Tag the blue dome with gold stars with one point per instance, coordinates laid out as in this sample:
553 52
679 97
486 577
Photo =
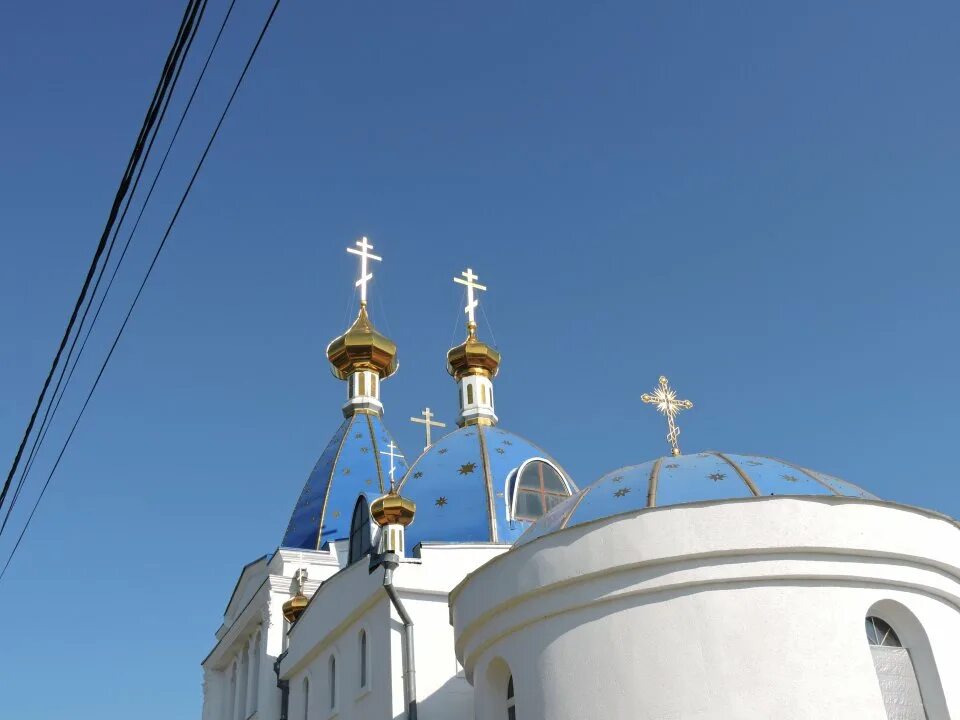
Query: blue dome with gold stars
355 462
468 484
701 477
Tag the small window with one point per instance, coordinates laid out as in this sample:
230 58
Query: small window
511 701
483 394
306 699
880 634
469 394
896 674
536 489
332 679
363 383
363 659
361 541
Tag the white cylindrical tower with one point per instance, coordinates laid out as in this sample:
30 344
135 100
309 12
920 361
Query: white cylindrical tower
749 608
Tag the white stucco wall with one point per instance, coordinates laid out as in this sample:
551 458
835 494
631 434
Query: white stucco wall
354 599
740 609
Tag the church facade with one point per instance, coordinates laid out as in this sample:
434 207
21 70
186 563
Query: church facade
479 581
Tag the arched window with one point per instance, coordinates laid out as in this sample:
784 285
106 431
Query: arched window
469 394
363 383
511 701
895 672
363 659
483 394
232 700
306 699
536 487
255 676
360 539
332 681
242 678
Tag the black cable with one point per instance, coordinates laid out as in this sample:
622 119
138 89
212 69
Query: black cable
54 404
148 123
126 319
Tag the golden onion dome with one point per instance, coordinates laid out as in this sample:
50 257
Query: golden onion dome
294 607
472 357
362 348
391 509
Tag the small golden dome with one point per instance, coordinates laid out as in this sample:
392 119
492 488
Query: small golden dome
391 509
472 357
362 348
294 607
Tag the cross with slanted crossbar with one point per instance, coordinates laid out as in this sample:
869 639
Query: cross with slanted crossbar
428 423
391 454
469 279
665 398
365 277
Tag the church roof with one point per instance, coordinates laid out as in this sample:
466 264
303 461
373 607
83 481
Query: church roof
460 483
685 479
354 463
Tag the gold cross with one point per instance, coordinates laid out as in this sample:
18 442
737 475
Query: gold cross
429 422
665 398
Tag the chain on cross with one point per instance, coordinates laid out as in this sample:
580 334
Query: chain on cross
365 275
665 398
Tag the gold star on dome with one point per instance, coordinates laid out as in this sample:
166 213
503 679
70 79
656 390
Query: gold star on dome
441 501
442 451
467 468
618 478
500 451
621 492
418 474
717 476
791 478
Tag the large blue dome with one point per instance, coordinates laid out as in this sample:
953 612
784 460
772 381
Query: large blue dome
687 479
353 464
462 483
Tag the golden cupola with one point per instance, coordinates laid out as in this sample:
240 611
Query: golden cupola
362 347
472 357
362 356
294 607
393 514
473 364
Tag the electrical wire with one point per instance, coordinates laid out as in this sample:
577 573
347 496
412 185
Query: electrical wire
149 122
136 298
54 404
156 177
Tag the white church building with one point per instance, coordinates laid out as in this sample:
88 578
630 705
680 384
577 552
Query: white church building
479 581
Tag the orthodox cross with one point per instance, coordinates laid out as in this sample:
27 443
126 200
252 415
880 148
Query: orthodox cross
469 279
391 454
301 579
665 398
365 276
428 423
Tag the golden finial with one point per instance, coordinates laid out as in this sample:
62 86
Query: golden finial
665 398
294 607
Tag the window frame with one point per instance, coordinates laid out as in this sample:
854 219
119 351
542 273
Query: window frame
363 646
512 486
364 545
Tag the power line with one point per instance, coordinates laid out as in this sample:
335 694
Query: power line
45 426
153 262
54 403
149 121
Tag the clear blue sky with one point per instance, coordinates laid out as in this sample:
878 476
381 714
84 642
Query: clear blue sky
758 200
